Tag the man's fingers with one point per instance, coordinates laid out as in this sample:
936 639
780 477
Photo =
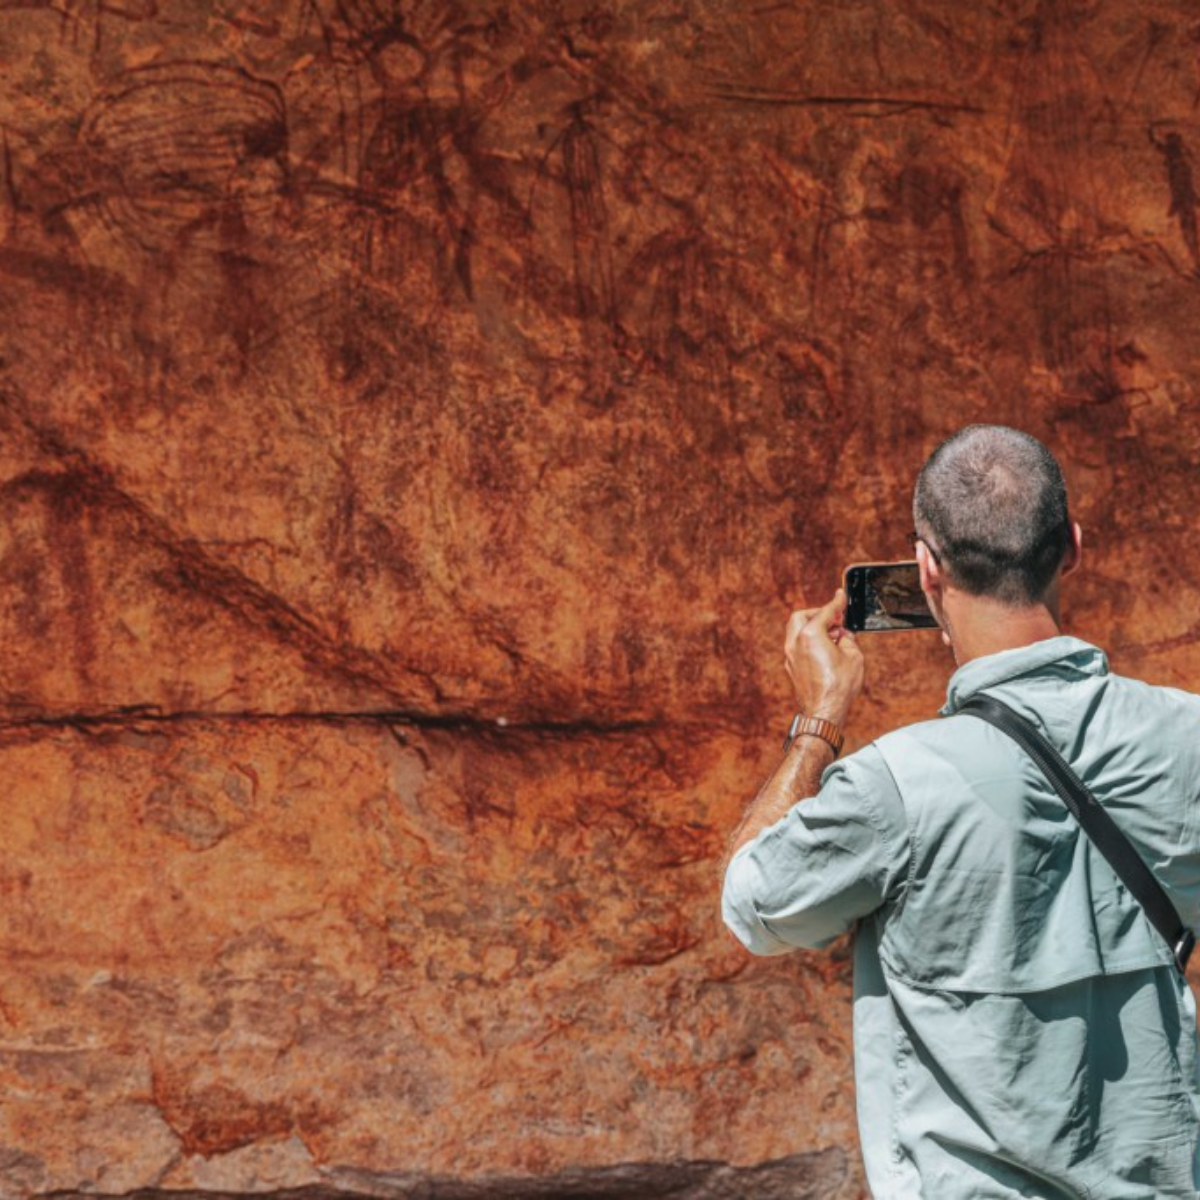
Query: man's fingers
838 601
836 606
848 644
817 624
823 659
798 620
833 609
820 621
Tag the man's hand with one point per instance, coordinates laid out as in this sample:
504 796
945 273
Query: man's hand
824 662
826 669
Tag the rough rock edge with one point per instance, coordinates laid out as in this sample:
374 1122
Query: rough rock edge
798 1177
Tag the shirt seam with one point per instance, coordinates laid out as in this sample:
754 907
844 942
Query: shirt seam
909 821
877 819
1122 967
950 708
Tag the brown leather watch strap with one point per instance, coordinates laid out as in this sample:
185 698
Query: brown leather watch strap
817 727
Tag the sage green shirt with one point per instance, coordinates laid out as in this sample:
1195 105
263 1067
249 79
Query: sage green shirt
1019 1027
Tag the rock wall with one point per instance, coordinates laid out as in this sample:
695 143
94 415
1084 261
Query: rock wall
417 420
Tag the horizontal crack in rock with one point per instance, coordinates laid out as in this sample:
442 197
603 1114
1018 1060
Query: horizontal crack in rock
455 722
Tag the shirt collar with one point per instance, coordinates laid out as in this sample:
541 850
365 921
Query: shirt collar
982 673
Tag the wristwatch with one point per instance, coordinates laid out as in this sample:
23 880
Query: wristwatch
818 727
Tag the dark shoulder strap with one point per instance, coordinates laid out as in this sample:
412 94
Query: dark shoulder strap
1095 821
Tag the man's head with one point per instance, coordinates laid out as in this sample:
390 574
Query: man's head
991 506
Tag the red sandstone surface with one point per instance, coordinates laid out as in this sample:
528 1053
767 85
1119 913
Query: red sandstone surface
416 423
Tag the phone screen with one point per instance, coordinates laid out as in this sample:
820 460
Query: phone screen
885 596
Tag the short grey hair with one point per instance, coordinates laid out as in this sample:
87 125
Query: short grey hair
991 503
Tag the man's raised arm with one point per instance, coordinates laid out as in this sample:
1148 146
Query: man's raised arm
826 668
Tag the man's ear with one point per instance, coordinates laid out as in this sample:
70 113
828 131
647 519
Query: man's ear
1074 556
932 575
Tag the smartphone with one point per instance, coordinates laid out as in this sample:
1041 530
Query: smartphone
885 596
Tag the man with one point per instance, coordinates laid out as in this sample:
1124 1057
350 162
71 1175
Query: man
1020 1029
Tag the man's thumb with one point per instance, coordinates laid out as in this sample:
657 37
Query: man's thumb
834 609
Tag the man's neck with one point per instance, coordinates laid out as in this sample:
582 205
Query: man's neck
979 626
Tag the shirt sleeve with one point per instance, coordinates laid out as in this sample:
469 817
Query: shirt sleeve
832 859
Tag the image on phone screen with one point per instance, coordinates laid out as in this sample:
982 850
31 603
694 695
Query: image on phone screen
885 596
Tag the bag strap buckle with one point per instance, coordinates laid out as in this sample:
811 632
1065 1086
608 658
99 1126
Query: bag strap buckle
1183 949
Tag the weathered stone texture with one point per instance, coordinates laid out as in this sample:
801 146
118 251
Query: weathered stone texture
348 945
416 422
